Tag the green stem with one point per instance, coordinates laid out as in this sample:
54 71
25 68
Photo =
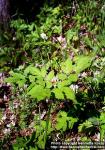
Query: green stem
47 123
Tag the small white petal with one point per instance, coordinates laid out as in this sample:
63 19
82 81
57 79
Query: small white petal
43 36
74 87
8 125
6 131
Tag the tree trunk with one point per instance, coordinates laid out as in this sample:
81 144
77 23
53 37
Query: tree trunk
4 14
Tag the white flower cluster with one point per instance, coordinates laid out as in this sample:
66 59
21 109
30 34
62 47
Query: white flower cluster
7 129
43 36
74 87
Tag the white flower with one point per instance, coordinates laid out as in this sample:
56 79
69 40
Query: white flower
43 36
47 100
8 125
6 131
14 38
84 74
74 87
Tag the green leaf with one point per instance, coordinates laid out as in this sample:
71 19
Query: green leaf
20 143
21 83
94 121
40 81
50 75
31 78
43 72
66 66
56 10
69 93
58 93
43 124
38 130
62 76
30 86
61 121
39 92
61 124
48 84
63 83
63 114
15 147
41 142
102 132
73 78
10 80
16 78
32 70
35 71
32 148
72 122
82 63
69 36
82 127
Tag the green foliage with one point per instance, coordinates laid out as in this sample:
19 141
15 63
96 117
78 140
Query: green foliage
17 78
43 84
39 92
40 133
32 41
86 125
82 62
64 122
102 125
